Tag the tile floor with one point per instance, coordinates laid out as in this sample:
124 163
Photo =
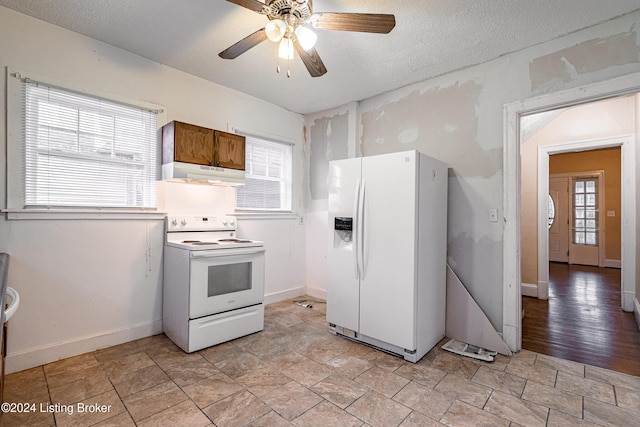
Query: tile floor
296 373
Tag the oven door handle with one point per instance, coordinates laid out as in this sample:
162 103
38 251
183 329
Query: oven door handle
226 252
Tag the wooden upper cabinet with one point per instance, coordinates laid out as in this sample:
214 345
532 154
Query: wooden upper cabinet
229 150
182 142
187 143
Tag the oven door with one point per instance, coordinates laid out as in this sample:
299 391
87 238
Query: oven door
226 279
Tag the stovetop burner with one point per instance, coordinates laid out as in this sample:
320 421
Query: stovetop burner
198 242
234 240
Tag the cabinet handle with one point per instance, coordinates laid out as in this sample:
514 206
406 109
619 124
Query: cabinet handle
217 163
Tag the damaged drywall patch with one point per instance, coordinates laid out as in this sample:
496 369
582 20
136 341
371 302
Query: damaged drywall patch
592 55
421 116
329 141
408 136
441 122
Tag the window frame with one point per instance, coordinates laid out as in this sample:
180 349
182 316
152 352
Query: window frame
268 213
585 206
16 201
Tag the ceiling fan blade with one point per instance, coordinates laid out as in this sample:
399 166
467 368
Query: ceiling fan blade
254 5
361 22
244 45
311 60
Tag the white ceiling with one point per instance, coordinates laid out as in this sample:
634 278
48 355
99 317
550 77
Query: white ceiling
431 37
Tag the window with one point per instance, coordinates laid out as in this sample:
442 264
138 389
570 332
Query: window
83 151
268 172
585 209
552 212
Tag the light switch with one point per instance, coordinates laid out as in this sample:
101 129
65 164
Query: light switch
493 215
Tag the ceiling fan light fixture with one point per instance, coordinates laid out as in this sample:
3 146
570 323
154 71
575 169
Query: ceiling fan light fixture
275 30
306 37
292 24
285 50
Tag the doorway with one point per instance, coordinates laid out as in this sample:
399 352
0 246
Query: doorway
512 304
580 317
576 214
626 212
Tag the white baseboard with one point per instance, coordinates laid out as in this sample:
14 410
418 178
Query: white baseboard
613 263
529 290
628 301
636 311
543 290
317 293
284 295
52 352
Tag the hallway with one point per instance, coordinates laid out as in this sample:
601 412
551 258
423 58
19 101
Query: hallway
582 320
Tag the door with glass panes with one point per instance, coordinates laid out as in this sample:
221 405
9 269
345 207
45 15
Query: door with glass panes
585 221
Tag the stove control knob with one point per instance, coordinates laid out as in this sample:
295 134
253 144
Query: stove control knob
232 221
183 222
225 221
174 221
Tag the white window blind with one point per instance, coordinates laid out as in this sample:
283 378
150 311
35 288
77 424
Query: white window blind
268 173
84 151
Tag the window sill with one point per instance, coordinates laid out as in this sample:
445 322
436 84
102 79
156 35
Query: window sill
50 214
265 215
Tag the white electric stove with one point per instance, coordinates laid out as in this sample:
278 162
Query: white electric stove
213 282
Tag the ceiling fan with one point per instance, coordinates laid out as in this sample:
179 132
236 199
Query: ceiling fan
290 24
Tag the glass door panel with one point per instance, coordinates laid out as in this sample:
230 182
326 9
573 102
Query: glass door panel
585 208
585 242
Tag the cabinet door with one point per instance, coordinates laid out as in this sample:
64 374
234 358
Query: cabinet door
229 150
193 144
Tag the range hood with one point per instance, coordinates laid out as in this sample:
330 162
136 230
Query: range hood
201 174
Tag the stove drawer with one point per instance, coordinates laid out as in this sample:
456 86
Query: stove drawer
216 329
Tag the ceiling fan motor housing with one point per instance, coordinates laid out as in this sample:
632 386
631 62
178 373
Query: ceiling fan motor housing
301 9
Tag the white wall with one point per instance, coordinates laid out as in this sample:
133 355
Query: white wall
333 136
636 302
458 118
90 283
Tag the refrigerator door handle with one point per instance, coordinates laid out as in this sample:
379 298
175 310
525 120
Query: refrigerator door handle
354 230
361 242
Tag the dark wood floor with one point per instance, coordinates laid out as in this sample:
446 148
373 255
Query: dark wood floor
582 320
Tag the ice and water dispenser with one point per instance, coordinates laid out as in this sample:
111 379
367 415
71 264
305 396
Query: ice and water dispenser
342 232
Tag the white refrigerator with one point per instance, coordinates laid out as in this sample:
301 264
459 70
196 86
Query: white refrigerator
387 251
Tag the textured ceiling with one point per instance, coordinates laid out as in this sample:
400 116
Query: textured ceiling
431 37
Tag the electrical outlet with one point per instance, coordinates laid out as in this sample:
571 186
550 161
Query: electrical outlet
493 215
301 220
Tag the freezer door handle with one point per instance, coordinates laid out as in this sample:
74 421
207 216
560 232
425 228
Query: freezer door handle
361 218
354 230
